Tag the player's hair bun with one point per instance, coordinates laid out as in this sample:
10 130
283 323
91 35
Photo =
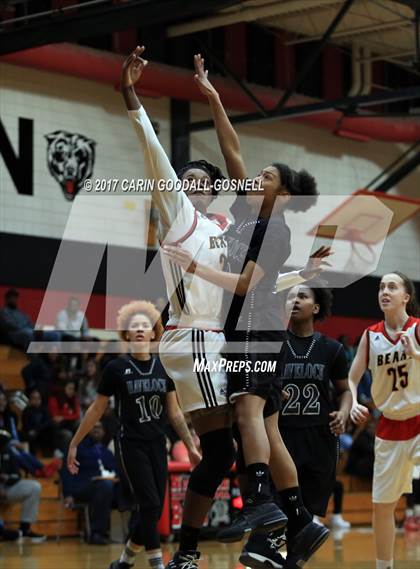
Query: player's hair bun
307 189
300 184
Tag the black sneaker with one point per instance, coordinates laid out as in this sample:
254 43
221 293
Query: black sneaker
120 565
98 539
9 535
263 517
184 560
261 552
305 544
33 537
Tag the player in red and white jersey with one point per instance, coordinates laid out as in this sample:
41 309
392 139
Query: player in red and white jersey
394 395
391 350
195 305
195 330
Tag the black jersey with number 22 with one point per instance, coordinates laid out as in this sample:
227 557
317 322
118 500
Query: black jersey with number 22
140 389
310 367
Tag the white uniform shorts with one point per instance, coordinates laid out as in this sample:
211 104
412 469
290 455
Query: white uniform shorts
192 359
394 468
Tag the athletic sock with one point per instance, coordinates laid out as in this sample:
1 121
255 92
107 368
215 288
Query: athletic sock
155 559
294 508
384 564
417 510
188 540
259 480
129 553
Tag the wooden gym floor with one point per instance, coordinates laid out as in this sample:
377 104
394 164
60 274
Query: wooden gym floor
353 551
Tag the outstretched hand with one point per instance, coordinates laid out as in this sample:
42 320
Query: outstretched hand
133 68
317 263
201 77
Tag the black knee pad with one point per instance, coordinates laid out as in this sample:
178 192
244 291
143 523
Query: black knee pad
218 454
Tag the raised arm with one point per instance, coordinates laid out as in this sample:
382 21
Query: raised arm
177 214
226 134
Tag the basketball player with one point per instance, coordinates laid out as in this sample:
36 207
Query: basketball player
203 306
194 328
145 397
391 350
314 373
261 315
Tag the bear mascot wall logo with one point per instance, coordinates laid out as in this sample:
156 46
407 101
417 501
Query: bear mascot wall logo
70 158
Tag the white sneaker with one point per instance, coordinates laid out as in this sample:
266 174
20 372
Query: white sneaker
337 522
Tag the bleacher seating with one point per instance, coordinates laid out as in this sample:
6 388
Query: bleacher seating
54 519
12 362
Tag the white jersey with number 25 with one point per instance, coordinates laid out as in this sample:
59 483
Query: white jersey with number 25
395 375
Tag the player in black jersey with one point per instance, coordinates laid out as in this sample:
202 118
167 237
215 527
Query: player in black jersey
314 374
145 399
254 319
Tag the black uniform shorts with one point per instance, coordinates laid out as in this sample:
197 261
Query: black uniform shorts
143 467
314 451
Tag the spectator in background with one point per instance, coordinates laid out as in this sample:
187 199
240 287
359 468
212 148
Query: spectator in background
110 353
348 350
14 489
110 424
37 425
337 521
25 460
64 409
17 329
7 534
45 373
72 321
364 393
89 382
362 452
94 483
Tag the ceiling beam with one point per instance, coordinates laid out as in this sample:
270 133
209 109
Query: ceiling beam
361 30
316 52
399 174
405 94
247 14
103 19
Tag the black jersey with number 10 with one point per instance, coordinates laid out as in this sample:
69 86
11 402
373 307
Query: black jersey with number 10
310 367
140 389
